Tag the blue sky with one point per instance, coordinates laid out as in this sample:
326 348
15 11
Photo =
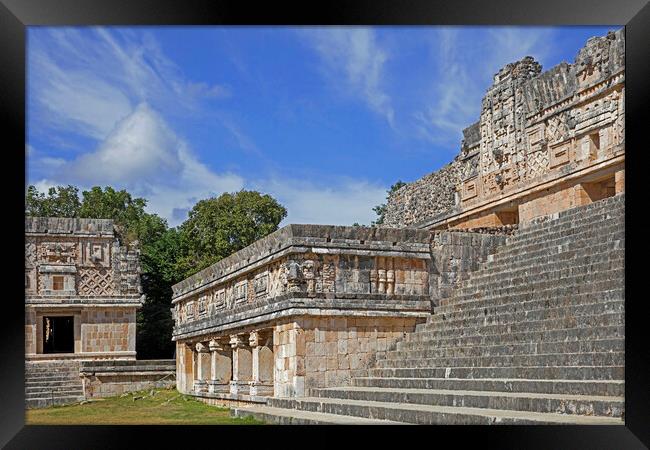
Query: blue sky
325 119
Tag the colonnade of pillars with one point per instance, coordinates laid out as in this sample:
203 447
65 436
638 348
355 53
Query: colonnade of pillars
239 364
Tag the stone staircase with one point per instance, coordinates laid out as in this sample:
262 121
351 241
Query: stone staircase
50 383
535 336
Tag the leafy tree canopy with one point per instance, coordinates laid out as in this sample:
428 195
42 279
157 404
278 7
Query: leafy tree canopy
60 201
218 227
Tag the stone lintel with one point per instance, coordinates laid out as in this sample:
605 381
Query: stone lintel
267 319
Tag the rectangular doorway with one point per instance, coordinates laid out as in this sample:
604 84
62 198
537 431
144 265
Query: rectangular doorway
58 334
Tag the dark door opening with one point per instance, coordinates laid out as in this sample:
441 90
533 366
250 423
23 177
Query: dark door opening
58 334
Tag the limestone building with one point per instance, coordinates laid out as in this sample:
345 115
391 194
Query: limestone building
494 292
544 142
82 290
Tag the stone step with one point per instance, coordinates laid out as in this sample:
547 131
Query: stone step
615 279
283 416
569 334
540 265
589 372
54 388
419 350
47 401
564 273
610 205
49 378
539 228
540 359
578 231
483 318
62 382
612 239
54 394
551 292
603 319
518 401
596 252
552 297
575 387
429 414
573 239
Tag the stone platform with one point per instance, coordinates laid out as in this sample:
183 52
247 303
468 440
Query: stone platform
534 336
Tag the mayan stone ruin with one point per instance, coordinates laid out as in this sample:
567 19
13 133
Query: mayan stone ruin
493 293
82 291
544 142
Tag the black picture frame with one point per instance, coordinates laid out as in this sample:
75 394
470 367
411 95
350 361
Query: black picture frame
16 15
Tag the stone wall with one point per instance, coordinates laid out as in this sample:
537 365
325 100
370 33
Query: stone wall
109 378
535 130
456 254
108 330
429 196
307 267
328 351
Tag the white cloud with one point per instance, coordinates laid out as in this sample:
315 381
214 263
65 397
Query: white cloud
76 101
144 156
355 54
465 71
88 83
342 202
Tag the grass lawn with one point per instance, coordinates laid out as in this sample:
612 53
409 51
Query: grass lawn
165 407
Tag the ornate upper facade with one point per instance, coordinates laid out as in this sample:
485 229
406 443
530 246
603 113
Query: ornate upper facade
557 135
81 288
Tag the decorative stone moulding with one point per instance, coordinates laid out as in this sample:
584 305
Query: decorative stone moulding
309 269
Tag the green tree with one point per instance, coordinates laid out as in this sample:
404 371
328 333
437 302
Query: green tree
61 201
219 226
381 209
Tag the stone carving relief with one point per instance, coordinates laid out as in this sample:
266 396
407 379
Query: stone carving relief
313 274
96 253
30 254
241 291
557 129
58 252
261 284
95 281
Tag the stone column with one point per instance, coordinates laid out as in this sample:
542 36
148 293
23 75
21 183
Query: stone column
619 181
381 273
254 342
221 369
241 363
390 282
200 382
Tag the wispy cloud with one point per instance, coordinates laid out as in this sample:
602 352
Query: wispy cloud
466 66
354 55
113 88
146 157
329 201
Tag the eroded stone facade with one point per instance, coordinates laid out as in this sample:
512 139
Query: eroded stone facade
82 290
311 306
545 142
276 317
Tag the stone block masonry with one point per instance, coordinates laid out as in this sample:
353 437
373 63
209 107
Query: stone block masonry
534 334
82 291
108 378
316 307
